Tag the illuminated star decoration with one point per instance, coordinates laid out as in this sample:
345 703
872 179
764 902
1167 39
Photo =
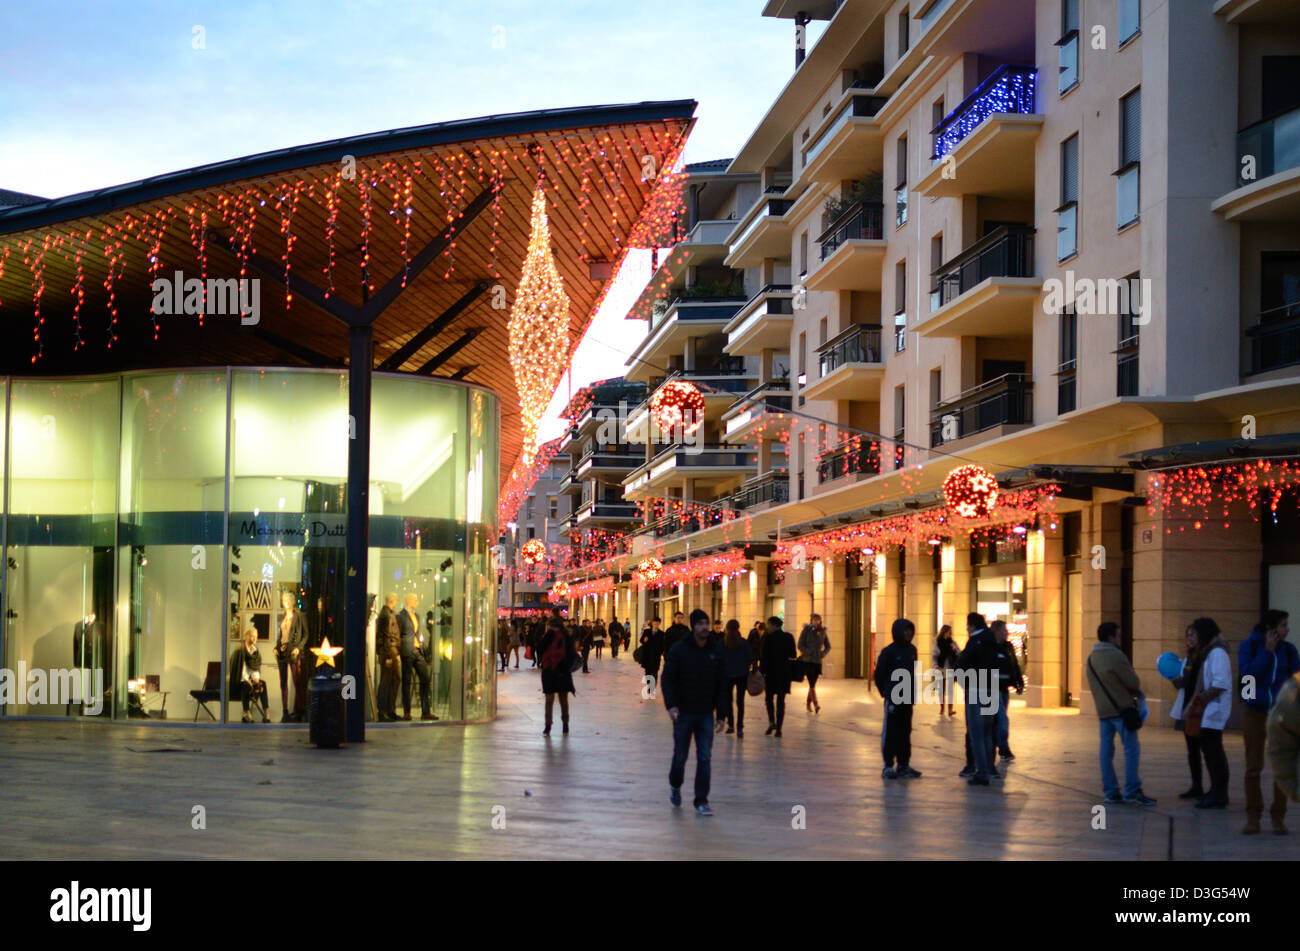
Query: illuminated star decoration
649 569
539 327
533 552
559 593
325 653
971 491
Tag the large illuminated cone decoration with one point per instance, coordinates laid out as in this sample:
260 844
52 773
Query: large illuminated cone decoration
539 327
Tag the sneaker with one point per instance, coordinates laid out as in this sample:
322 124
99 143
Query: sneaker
703 809
675 795
1008 756
889 773
967 772
1114 798
731 729
977 781
908 773
1139 799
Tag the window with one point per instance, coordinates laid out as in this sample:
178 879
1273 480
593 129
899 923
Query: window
1130 19
532 532
1067 215
553 504
1068 47
936 113
900 190
1066 393
904 23
803 254
936 262
1127 354
1130 158
936 387
531 508
900 306
900 425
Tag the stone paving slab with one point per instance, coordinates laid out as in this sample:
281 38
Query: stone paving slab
78 790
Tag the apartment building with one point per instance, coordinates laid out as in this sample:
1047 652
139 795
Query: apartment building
544 514
1058 239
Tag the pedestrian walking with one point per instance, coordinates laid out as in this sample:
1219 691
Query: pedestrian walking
943 657
1185 684
585 639
598 637
1284 739
738 659
651 649
778 654
558 655
676 631
814 645
503 643
895 678
695 684
1211 705
1115 690
1009 678
978 663
1266 661
516 640
615 638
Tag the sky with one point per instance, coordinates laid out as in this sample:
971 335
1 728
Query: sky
95 93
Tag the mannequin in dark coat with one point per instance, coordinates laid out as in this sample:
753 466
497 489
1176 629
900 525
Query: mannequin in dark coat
778 653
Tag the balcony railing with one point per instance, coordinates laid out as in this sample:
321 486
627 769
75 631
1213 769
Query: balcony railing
607 508
770 208
774 394
605 457
860 344
857 103
1275 340
773 488
1272 145
864 219
863 457
1007 251
1005 401
1009 89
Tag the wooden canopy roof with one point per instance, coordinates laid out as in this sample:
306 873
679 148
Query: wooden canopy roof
447 207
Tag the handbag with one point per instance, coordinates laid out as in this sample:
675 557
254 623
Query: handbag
1192 716
1130 715
756 684
638 654
796 671
528 652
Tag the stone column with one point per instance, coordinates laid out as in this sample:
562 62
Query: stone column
1045 596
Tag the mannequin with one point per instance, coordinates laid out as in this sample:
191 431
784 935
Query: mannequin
246 676
88 651
289 654
387 653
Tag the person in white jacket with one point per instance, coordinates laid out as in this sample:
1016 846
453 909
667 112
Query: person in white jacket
1213 695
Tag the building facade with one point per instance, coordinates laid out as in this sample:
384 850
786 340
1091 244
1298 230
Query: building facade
1056 239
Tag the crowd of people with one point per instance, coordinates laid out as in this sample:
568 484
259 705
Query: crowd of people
704 670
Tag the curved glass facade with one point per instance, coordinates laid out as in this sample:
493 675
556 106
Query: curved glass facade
175 543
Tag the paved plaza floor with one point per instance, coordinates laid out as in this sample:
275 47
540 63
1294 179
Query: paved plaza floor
89 790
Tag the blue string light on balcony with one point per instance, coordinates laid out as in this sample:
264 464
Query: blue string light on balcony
1009 89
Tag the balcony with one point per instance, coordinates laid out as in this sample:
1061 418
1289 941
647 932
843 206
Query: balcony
860 459
851 366
987 290
771 489
683 318
1273 194
1001 404
764 232
709 466
1275 340
852 249
762 407
719 385
1268 12
847 143
607 461
604 511
570 485
986 145
764 323
612 404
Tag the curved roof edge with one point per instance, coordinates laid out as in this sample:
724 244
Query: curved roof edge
278 161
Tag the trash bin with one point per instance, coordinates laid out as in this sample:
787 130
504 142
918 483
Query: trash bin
325 714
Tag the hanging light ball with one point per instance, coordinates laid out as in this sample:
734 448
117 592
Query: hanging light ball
533 552
678 403
650 568
559 592
971 491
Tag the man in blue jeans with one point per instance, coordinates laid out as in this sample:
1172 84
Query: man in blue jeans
694 685
1115 688
978 666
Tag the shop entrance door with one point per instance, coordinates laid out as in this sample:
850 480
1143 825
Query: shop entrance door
857 637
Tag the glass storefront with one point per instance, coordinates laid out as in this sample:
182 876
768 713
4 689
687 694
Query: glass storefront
175 541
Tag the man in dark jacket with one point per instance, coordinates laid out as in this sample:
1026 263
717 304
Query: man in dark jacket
695 689
978 667
651 646
1265 662
1009 678
676 632
895 678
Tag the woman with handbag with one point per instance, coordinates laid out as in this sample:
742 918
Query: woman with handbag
737 661
559 656
776 663
814 645
1211 704
1185 684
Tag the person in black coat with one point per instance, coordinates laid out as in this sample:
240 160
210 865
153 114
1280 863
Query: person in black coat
1009 678
776 657
676 631
615 638
978 664
652 649
559 653
695 690
895 678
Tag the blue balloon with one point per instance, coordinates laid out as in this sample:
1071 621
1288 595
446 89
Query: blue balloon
1170 665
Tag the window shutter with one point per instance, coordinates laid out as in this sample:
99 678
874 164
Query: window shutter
1131 127
1070 170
